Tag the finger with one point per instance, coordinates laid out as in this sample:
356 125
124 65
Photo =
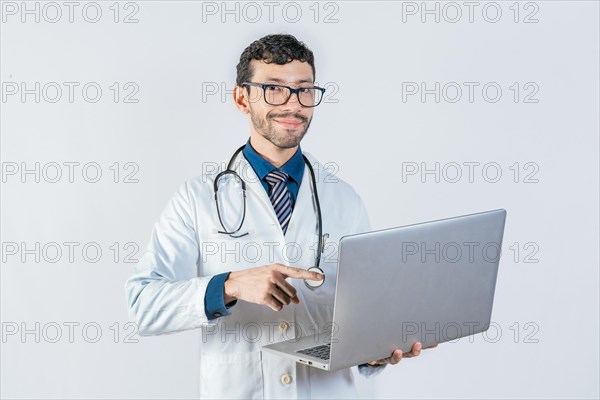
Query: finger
298 273
415 351
286 288
380 361
279 295
433 346
275 304
396 357
272 303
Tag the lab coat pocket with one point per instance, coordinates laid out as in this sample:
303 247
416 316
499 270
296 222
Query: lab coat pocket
231 375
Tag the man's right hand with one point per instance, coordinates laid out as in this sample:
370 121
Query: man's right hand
266 285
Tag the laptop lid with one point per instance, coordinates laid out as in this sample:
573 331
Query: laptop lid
430 282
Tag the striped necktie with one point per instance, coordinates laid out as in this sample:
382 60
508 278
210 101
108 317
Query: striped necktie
280 197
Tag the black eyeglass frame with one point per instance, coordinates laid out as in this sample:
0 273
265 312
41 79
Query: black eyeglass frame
291 89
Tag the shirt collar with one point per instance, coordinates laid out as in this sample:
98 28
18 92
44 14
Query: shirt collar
294 167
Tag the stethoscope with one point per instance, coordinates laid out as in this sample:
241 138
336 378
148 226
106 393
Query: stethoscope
321 238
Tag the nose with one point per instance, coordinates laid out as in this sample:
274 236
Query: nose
293 103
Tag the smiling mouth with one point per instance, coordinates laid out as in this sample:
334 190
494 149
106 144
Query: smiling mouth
289 123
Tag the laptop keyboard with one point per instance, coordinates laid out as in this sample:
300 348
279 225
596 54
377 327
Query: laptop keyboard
321 351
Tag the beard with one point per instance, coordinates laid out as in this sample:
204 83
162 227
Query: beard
277 134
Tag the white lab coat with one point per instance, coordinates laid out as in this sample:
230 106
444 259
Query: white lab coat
166 292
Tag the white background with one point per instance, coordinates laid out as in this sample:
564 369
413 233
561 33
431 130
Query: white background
546 312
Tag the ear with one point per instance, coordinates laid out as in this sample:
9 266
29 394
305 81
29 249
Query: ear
240 99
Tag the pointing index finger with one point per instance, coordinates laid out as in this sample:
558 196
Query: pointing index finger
298 273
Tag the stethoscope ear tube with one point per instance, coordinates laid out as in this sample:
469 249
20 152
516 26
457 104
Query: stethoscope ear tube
319 216
313 284
229 170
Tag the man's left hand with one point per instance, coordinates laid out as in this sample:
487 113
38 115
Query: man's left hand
397 355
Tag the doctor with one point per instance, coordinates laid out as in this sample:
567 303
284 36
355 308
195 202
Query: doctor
234 264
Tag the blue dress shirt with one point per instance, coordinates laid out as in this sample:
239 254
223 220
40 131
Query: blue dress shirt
214 304
294 167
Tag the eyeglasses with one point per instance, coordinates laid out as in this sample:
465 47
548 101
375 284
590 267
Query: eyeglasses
277 95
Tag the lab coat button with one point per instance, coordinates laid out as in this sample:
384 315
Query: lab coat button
283 326
286 379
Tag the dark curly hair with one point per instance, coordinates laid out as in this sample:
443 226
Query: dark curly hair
279 49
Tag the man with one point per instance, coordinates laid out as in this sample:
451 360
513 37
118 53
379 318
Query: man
241 286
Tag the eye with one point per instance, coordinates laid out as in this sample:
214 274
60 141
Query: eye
272 88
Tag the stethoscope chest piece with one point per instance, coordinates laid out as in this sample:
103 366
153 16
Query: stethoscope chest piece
312 283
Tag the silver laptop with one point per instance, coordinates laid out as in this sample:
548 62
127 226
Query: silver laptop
431 282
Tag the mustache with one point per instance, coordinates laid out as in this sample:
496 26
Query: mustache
288 116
